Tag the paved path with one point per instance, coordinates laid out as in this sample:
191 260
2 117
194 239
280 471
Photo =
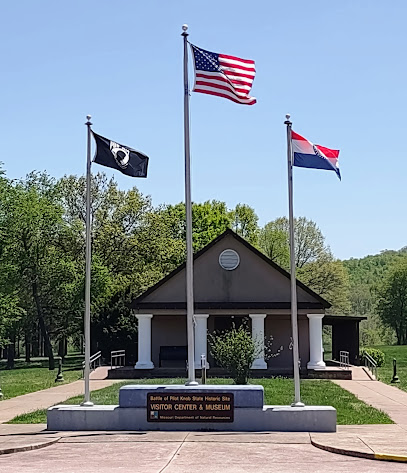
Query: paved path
184 452
15 406
198 452
387 398
359 374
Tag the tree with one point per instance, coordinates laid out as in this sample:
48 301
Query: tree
35 228
209 220
392 305
244 222
308 241
10 316
315 265
273 242
366 277
328 278
133 247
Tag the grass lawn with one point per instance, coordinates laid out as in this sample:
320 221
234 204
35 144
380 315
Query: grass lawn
35 376
277 391
385 373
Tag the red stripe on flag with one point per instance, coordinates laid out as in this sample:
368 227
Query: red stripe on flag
219 94
234 58
220 76
329 153
296 136
237 66
238 74
241 93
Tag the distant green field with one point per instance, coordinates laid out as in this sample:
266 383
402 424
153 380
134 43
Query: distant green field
280 391
34 376
385 373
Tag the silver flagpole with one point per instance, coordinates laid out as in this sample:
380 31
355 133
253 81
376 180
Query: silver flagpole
294 322
87 401
188 210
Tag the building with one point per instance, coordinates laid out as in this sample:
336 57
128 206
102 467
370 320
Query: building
234 283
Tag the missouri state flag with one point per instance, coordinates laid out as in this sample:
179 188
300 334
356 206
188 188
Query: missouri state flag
308 155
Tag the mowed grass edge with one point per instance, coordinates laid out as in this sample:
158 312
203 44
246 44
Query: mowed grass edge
385 373
278 391
35 376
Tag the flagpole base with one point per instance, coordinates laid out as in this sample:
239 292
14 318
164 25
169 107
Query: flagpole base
87 404
192 383
298 404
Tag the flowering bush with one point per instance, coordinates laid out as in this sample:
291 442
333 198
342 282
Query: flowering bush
234 350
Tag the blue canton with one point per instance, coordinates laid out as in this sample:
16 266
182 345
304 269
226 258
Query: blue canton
206 61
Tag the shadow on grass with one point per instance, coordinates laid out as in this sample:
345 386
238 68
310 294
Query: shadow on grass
71 363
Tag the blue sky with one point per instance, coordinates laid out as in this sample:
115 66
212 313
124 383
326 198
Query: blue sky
338 67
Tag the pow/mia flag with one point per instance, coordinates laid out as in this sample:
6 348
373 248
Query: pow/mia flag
114 155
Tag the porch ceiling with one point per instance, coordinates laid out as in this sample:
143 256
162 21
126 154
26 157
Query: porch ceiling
226 305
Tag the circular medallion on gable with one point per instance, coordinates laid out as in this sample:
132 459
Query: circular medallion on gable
229 259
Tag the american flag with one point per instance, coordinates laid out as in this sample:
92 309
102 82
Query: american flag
222 75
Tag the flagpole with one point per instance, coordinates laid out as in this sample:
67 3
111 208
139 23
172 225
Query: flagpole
294 321
188 211
87 402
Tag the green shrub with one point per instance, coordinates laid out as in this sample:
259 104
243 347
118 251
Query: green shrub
234 350
376 354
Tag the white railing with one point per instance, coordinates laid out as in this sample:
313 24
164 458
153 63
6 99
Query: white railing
344 360
370 364
117 358
94 361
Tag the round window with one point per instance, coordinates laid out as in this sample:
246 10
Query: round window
229 260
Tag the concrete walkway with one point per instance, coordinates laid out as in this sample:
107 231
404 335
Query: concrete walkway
15 406
389 399
359 373
380 442
199 452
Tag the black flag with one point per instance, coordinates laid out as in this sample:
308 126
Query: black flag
120 157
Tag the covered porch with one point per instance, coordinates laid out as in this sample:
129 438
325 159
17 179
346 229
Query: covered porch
234 283
162 344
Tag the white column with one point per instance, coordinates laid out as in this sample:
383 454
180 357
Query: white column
144 342
316 356
258 337
201 330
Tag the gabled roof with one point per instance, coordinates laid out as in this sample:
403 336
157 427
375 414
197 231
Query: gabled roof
139 302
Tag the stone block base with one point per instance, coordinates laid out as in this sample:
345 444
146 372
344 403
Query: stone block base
250 415
268 418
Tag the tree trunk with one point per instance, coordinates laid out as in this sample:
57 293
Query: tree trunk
10 356
18 345
27 348
35 344
44 331
62 348
45 351
398 334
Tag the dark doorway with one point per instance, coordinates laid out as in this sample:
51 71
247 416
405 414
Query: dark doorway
345 336
223 323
